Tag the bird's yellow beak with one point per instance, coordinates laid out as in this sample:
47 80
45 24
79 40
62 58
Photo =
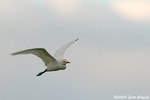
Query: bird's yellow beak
68 62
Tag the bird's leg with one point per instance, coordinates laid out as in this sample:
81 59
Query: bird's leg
42 72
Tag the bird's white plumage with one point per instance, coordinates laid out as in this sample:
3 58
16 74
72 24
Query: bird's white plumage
39 52
59 54
52 63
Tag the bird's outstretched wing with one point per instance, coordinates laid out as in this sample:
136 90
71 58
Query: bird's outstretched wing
60 52
39 52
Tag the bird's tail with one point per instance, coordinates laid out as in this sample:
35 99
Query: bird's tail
39 74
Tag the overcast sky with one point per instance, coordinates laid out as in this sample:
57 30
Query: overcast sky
111 58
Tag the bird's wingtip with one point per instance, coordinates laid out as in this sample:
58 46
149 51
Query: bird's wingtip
77 39
12 54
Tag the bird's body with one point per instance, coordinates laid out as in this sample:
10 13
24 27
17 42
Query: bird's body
53 63
56 65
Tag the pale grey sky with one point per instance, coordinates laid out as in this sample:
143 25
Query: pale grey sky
111 57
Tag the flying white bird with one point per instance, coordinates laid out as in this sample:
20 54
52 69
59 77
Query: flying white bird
53 63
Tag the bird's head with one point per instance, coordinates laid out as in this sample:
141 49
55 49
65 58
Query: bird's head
65 61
